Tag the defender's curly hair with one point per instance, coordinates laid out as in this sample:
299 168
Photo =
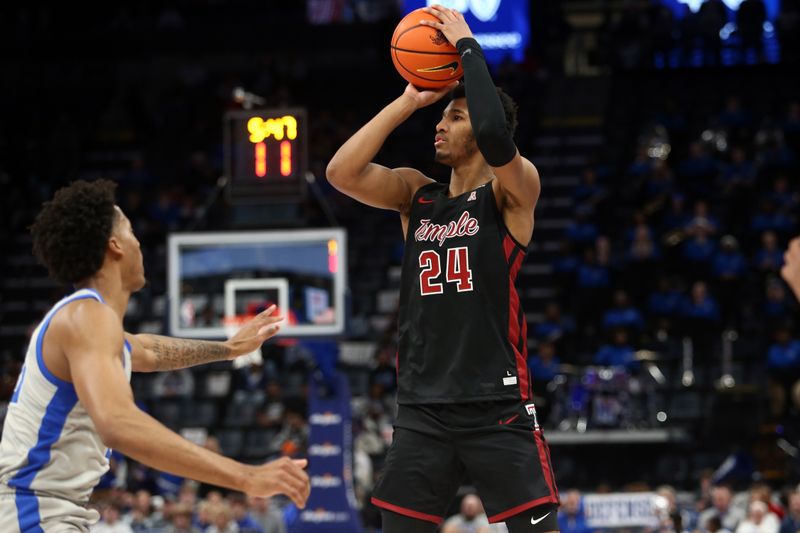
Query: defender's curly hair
71 232
509 105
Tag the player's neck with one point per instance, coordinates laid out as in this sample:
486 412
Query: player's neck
469 176
111 289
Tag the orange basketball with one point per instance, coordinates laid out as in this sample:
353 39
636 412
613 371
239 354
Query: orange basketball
422 55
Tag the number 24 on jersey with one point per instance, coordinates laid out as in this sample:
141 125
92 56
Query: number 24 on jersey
457 270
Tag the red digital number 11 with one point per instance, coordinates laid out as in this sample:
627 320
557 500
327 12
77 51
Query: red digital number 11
285 159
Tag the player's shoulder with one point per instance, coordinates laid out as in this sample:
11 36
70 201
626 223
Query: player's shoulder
87 318
413 177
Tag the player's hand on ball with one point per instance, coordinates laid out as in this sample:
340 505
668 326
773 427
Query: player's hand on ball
791 266
424 98
282 476
452 23
254 332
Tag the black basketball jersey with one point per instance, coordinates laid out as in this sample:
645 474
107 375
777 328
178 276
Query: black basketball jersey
462 332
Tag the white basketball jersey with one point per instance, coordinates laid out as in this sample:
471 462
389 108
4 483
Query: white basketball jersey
50 449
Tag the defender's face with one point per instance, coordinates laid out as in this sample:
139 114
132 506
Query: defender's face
133 261
454 141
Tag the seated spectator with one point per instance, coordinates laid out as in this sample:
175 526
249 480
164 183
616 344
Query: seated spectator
618 353
738 173
769 218
659 186
622 314
784 354
174 384
759 520
221 518
698 171
769 258
470 519
700 318
729 269
582 231
642 263
267 515
553 327
376 431
141 517
698 253
675 217
639 225
722 509
110 521
783 196
791 522
642 163
250 378
180 520
271 413
544 365
384 373
292 440
570 517
588 193
665 300
777 304
593 282
701 221
245 522
734 116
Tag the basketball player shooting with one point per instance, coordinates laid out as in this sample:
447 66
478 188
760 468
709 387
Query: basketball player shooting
73 399
464 393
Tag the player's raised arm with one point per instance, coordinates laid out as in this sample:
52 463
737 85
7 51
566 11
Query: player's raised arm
517 177
156 353
91 336
352 171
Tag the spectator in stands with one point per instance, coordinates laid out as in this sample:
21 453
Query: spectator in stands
698 252
384 374
544 364
761 491
711 17
675 218
791 523
642 164
554 327
250 378
141 517
582 232
623 314
618 353
270 415
784 354
729 269
470 519
245 522
588 194
777 304
221 518
721 508
642 258
181 520
700 320
292 440
698 171
570 516
769 258
110 521
267 515
376 431
174 384
663 303
702 220
770 218
592 285
759 520
659 187
739 173
783 196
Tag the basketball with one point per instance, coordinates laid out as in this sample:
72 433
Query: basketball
422 55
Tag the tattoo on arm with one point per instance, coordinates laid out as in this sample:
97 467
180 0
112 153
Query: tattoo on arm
171 353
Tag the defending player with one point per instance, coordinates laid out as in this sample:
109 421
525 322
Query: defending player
73 399
464 389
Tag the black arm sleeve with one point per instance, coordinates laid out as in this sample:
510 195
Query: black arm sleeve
485 109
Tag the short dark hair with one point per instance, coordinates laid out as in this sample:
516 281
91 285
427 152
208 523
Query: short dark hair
509 105
71 232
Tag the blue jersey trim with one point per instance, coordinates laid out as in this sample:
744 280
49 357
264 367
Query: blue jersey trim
55 417
52 378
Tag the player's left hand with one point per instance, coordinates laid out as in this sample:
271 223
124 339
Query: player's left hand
254 333
452 24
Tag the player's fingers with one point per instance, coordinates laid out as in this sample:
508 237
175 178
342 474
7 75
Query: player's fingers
268 311
301 463
432 24
268 331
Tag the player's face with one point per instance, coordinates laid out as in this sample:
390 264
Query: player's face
454 141
132 260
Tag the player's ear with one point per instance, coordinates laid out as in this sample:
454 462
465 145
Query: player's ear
114 246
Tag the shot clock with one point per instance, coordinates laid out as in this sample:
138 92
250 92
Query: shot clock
266 154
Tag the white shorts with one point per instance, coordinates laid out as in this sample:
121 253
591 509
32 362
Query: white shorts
31 513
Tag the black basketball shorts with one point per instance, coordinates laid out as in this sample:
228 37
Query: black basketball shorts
497 446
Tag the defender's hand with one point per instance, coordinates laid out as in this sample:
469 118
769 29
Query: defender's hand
791 266
282 476
452 23
426 97
254 333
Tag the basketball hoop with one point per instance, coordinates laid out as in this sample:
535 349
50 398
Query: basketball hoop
232 326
